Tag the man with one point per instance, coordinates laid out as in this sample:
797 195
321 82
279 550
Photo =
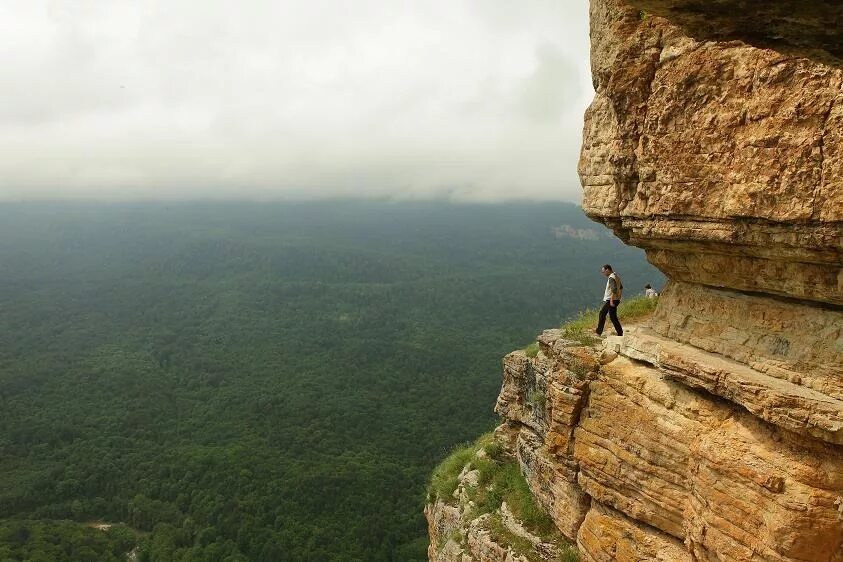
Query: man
650 292
611 300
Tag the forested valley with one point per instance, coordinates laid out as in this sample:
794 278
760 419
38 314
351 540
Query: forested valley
268 382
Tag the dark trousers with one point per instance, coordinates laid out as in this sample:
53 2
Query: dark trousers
612 311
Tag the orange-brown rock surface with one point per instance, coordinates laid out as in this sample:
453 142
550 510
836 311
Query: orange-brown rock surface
720 158
607 535
648 458
713 431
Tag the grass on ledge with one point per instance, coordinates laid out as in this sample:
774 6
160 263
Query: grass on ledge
503 482
500 480
445 477
581 327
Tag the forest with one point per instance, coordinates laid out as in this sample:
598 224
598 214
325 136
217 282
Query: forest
263 381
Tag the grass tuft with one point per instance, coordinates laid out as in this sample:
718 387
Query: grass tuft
532 350
580 328
569 553
445 477
579 368
537 398
637 308
494 450
502 481
503 536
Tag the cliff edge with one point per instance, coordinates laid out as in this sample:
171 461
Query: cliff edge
714 430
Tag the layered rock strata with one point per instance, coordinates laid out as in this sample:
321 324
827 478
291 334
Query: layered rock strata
713 431
652 468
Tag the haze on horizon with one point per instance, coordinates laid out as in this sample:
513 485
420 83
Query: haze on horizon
461 100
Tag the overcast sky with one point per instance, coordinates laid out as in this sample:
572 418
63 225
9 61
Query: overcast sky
173 99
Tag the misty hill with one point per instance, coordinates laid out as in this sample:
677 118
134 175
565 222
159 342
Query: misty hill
262 381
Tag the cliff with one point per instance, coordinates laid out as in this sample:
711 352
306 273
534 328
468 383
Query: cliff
713 430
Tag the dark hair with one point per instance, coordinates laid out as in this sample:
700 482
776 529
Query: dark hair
609 267
648 286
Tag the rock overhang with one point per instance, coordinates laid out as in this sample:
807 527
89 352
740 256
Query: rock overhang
719 154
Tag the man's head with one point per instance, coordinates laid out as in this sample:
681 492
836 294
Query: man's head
607 270
648 286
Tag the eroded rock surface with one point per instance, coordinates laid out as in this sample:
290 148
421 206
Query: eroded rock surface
607 535
720 158
714 430
649 459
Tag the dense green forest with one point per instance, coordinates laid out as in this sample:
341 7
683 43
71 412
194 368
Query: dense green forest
266 382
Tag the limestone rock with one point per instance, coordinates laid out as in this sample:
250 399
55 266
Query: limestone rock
779 401
760 493
543 442
455 538
694 467
715 143
522 398
718 157
654 468
633 443
546 393
553 482
607 535
786 340
483 548
443 521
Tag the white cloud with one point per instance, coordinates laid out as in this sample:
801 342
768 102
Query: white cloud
121 99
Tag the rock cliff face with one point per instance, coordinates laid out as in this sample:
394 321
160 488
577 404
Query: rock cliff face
721 159
714 430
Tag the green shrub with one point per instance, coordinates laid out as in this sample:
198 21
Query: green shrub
520 500
503 482
494 450
513 489
532 350
445 477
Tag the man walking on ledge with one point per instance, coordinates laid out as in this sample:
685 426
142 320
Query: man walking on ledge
611 300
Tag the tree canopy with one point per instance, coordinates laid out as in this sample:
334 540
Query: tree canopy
262 381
